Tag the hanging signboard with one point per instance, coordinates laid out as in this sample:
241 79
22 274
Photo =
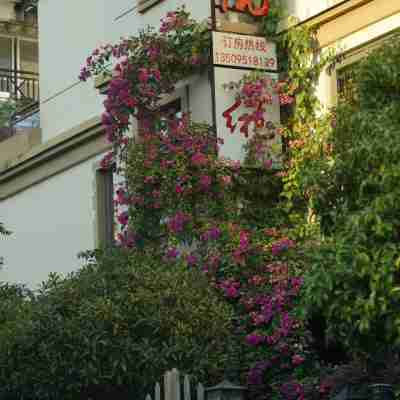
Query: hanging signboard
229 124
239 16
258 10
238 51
245 51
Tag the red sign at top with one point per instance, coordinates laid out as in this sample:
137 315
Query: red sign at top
243 5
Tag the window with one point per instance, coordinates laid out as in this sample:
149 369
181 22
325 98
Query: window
343 76
105 207
19 68
5 53
346 91
169 109
144 5
172 108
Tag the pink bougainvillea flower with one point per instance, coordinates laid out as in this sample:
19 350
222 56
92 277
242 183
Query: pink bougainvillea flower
282 245
297 360
255 339
199 159
268 164
123 218
192 260
211 234
107 161
143 75
177 223
179 189
292 391
149 179
226 180
153 53
256 373
106 119
156 74
231 292
230 288
205 182
244 241
172 253
126 239
122 197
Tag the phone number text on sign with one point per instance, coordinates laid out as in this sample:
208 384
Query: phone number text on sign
243 51
247 61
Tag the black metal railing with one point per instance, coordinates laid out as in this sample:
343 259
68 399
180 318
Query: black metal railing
22 85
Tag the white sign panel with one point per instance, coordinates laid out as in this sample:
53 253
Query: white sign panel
233 147
251 52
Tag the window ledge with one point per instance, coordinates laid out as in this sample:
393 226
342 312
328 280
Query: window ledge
19 145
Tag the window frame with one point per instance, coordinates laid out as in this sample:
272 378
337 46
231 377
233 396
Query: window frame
105 210
353 56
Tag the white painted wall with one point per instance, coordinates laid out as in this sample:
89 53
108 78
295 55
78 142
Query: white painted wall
69 31
51 223
54 220
304 9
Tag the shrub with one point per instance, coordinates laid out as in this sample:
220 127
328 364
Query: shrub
112 329
354 281
3 232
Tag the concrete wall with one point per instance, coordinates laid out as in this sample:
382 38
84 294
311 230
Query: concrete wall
69 31
56 219
304 9
51 222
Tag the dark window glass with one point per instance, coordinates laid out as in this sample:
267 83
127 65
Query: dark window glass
105 207
346 88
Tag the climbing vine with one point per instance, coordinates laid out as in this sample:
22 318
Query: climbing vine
183 203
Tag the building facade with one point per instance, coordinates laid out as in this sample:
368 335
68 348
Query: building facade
53 195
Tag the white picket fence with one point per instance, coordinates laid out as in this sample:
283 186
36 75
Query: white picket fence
176 387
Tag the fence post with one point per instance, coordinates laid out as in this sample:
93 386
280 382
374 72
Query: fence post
186 388
175 386
200 392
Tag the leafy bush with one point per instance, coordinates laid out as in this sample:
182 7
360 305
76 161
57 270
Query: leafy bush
7 108
112 329
355 279
3 232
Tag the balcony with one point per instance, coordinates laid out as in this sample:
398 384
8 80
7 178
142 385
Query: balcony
22 85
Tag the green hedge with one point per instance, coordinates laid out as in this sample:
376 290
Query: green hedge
354 280
112 329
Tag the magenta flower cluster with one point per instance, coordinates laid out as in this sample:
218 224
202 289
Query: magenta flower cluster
177 175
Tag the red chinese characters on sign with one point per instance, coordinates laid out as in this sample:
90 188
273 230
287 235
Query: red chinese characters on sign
245 120
248 43
243 51
247 5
